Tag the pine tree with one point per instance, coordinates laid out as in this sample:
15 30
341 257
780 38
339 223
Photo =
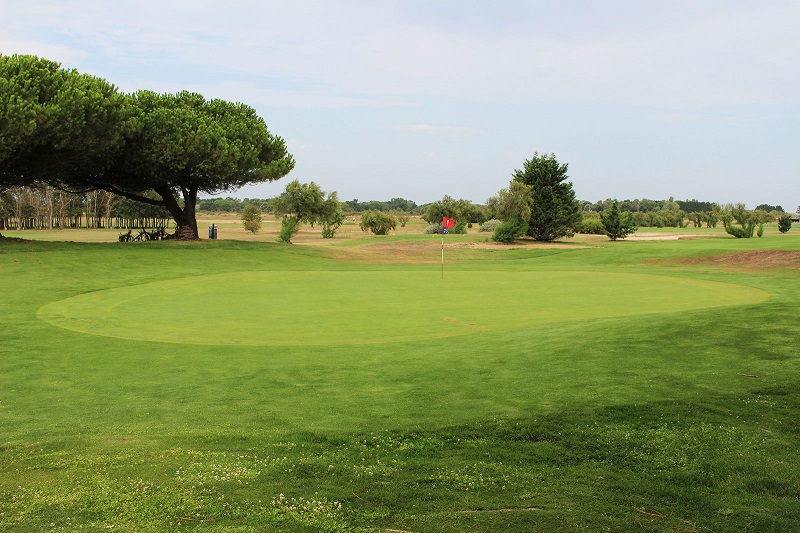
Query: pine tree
555 212
616 225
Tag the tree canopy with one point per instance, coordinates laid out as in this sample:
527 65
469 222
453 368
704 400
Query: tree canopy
57 126
78 132
182 144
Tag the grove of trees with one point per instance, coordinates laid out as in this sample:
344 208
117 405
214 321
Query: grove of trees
49 208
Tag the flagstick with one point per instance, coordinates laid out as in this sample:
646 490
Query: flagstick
442 253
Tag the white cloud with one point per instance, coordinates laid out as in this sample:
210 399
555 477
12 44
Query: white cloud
732 53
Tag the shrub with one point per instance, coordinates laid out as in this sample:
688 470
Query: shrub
592 226
490 225
289 228
784 223
433 229
737 214
508 231
251 218
378 222
460 228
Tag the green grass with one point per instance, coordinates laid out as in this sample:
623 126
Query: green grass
323 307
657 396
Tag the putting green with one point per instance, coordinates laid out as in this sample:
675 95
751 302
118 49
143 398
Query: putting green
321 307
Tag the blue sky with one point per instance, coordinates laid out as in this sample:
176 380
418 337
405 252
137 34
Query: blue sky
418 99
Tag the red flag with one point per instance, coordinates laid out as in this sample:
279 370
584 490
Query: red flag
448 223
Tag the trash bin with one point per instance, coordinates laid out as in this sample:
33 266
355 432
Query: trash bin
212 231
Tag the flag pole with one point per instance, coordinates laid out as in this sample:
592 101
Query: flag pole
447 223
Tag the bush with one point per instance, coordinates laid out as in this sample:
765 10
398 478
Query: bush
378 222
490 225
784 223
592 226
433 229
289 228
251 218
508 231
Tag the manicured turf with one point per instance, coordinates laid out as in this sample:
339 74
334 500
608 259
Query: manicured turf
661 395
323 307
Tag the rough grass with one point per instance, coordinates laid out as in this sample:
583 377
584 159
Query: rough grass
680 420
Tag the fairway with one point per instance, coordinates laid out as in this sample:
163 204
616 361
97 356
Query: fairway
355 307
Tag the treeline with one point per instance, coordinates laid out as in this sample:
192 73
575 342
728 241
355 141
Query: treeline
647 206
49 208
237 205
672 213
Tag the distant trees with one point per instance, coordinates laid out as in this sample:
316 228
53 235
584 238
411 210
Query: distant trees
768 208
251 218
232 205
694 206
615 225
45 207
395 204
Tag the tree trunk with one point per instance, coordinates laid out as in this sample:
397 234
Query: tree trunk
185 217
48 196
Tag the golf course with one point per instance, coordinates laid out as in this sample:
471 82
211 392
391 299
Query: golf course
356 384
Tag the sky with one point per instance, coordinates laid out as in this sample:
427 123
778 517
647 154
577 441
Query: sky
421 99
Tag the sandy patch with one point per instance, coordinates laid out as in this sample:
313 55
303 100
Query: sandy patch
644 236
747 259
